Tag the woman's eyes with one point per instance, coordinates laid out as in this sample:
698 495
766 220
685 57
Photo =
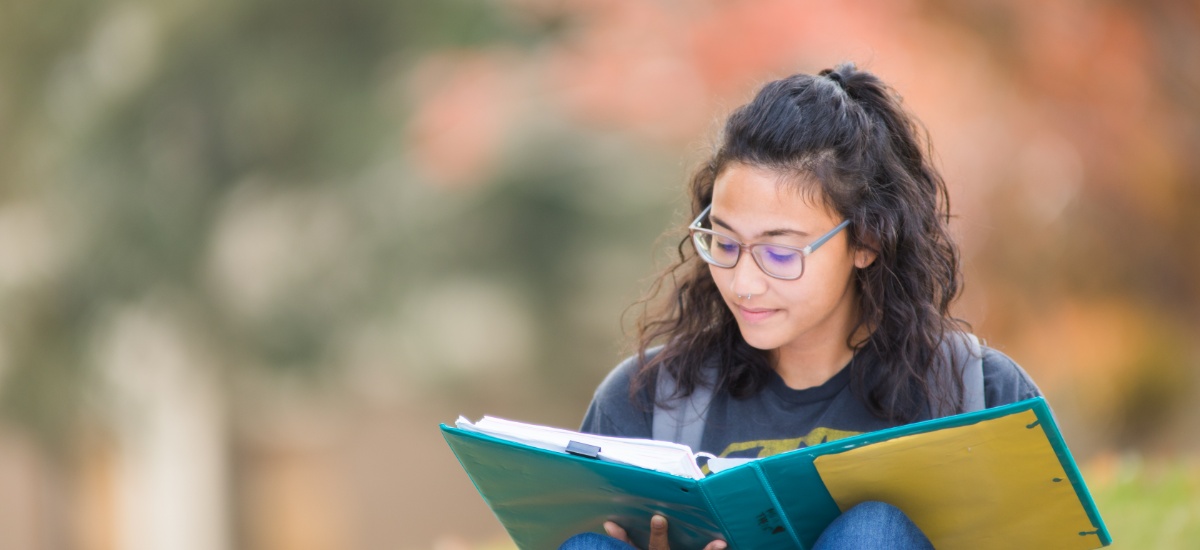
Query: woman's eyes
725 245
780 255
776 255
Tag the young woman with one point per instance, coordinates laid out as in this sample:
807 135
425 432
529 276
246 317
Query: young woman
811 296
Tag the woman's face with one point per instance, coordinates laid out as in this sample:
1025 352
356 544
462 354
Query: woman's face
756 205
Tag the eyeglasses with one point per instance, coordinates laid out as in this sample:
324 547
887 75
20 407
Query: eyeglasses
776 260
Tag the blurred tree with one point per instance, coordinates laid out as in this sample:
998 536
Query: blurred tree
1116 86
131 128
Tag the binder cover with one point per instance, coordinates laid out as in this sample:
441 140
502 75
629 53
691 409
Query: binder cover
995 478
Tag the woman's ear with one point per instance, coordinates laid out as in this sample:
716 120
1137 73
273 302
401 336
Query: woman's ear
865 253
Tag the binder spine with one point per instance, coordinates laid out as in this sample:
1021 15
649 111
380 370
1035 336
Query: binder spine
749 515
766 485
715 513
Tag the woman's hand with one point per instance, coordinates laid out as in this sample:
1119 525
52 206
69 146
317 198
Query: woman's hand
658 535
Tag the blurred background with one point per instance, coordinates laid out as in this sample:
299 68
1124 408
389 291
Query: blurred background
252 253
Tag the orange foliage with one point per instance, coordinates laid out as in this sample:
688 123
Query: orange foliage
1056 131
465 102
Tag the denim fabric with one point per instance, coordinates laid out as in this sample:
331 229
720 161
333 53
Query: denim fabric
871 526
867 526
594 541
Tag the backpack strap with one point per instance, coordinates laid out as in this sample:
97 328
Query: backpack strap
962 351
681 420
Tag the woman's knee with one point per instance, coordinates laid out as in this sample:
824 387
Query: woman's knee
593 541
873 524
877 511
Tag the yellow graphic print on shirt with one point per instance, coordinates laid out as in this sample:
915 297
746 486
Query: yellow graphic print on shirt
770 447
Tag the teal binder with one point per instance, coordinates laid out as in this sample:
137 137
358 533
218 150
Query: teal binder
996 478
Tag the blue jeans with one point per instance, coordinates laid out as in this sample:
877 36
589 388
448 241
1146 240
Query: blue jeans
867 526
872 525
594 541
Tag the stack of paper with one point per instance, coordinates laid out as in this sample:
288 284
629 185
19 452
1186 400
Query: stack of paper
660 456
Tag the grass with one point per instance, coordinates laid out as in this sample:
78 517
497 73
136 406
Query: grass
1147 503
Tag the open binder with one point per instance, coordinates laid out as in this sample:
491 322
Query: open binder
995 478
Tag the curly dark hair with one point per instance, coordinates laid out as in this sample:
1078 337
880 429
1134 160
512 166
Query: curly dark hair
847 134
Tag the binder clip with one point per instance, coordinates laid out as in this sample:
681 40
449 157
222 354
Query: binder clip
583 449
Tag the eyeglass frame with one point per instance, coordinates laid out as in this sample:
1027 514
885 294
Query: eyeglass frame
804 252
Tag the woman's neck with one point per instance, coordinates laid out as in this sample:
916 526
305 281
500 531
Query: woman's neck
816 359
813 366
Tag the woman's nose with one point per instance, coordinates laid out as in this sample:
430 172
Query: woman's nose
748 277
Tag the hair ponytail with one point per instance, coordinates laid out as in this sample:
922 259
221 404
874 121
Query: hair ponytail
906 297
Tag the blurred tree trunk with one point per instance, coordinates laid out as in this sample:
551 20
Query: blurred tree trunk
171 472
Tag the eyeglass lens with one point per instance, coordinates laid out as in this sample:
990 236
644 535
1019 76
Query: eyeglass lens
776 261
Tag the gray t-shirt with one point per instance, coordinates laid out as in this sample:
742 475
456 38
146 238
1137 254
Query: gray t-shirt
778 418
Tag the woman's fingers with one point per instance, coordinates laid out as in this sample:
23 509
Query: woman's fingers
658 534
615 531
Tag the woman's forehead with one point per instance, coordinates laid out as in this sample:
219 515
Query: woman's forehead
751 194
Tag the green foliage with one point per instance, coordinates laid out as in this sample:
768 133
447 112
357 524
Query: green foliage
248 160
1148 504
133 127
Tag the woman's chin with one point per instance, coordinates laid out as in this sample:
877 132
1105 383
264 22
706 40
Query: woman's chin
757 340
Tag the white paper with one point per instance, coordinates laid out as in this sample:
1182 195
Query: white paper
718 464
661 456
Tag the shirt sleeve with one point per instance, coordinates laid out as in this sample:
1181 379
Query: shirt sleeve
1004 381
614 412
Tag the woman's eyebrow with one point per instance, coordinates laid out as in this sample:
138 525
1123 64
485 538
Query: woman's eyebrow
769 233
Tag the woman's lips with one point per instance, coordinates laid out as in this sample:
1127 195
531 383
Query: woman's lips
754 315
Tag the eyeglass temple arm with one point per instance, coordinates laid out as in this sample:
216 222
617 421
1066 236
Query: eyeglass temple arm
817 243
696 222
